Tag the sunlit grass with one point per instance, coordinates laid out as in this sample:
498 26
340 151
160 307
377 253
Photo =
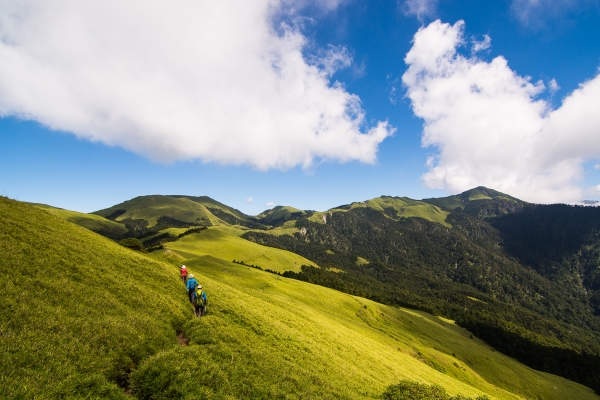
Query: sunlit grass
222 243
265 335
151 208
402 207
92 222
77 311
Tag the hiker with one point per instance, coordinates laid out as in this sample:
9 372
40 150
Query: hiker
191 287
200 302
184 273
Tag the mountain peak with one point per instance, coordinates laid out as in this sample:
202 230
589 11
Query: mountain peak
481 202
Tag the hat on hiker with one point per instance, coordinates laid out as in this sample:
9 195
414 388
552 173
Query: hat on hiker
191 275
199 286
183 266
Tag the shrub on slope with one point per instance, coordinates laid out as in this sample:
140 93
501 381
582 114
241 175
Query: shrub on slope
77 311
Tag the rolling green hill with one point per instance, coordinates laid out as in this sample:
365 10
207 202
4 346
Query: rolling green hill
479 202
278 215
145 214
392 207
151 208
92 222
403 207
224 243
82 317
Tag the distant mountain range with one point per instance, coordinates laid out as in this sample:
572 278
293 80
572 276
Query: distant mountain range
524 277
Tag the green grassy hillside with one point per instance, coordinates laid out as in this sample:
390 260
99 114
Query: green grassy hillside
81 317
459 201
225 213
392 207
278 215
399 207
270 337
92 222
77 311
151 208
224 243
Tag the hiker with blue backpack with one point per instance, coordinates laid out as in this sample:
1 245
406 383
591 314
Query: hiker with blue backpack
200 302
191 285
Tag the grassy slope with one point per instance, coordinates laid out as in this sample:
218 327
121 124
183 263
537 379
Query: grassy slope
92 222
208 202
225 243
77 311
406 207
401 206
459 200
271 337
287 228
278 213
151 208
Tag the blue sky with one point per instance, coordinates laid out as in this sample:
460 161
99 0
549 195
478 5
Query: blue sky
310 104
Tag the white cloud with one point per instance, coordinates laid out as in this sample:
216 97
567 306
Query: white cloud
485 44
249 200
536 13
420 8
489 127
597 166
270 204
553 86
212 81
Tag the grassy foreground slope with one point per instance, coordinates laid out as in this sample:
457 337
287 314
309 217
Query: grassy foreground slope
77 311
224 243
270 337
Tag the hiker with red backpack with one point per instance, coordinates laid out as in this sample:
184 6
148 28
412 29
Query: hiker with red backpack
200 301
192 283
184 273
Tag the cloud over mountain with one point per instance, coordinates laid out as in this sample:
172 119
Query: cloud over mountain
489 126
212 81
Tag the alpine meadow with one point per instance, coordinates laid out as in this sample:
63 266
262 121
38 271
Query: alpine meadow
300 200
317 305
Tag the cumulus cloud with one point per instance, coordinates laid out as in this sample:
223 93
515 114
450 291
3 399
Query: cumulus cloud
419 8
489 127
209 81
249 200
270 204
